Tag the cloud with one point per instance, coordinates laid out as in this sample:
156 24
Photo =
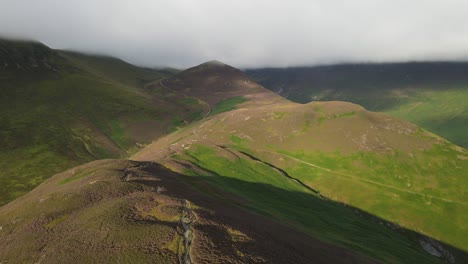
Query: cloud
245 33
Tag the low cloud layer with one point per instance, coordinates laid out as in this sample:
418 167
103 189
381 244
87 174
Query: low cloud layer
245 33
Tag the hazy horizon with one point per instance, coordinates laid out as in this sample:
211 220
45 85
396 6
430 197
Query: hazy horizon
245 34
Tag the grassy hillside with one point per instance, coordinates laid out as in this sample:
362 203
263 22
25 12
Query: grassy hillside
132 212
61 109
431 95
383 166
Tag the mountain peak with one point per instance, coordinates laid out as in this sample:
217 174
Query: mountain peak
214 63
214 81
213 66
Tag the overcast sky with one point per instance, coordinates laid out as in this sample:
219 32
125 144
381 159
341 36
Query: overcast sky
245 33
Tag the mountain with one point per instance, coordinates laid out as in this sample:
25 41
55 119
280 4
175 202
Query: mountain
219 86
433 95
215 81
234 173
59 109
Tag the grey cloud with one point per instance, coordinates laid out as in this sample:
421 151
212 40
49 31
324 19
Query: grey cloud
245 33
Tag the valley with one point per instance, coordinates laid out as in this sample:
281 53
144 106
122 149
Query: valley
73 109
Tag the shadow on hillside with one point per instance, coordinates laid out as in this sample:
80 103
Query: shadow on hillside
322 219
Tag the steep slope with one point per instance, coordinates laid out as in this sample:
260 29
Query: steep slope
132 212
433 95
383 166
58 110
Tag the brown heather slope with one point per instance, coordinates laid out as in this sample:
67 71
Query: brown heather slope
213 82
117 211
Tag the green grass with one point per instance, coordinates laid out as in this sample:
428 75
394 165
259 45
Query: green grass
269 193
417 193
237 140
176 123
45 125
227 104
198 115
26 167
443 112
437 166
190 100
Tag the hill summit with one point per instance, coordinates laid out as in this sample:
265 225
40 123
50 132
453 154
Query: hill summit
213 82
214 63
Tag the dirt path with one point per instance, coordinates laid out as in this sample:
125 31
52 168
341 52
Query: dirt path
208 107
370 181
187 219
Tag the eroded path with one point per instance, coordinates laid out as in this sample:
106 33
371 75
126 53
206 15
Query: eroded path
187 219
